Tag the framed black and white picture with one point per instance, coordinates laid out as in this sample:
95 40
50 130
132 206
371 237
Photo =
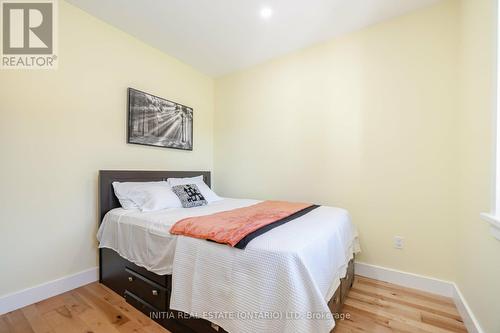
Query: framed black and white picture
154 121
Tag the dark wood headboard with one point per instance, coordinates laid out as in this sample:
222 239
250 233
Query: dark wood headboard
107 198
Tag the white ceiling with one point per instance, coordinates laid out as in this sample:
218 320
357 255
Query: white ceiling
221 36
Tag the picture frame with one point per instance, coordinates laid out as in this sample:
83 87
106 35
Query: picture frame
159 122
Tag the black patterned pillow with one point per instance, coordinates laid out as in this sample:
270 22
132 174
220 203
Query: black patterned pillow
189 195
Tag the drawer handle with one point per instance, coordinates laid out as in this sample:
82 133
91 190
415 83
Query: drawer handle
155 292
130 279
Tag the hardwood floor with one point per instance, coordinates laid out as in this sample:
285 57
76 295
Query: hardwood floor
373 307
90 309
380 307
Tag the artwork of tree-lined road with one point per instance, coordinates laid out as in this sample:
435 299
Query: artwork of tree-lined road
159 122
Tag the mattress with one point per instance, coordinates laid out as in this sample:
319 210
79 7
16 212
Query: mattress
143 237
281 281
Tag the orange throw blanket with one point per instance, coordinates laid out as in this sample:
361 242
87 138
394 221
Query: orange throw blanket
229 227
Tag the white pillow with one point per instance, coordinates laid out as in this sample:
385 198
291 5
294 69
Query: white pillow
209 195
146 196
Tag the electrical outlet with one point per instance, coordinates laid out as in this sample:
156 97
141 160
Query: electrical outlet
399 242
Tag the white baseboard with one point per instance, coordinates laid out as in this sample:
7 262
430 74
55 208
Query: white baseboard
424 283
410 280
465 311
46 290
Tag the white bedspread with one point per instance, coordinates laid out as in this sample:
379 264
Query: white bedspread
275 284
281 282
144 238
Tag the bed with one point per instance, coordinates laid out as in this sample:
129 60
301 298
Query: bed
280 282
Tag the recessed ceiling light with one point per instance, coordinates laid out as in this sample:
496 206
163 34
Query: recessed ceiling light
266 12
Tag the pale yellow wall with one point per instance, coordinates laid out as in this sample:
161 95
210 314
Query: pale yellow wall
367 122
390 122
58 128
478 252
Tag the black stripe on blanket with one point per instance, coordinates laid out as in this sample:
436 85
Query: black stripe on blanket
244 241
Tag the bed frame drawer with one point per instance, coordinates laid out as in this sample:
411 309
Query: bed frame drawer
335 302
347 281
350 273
139 304
162 280
147 290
